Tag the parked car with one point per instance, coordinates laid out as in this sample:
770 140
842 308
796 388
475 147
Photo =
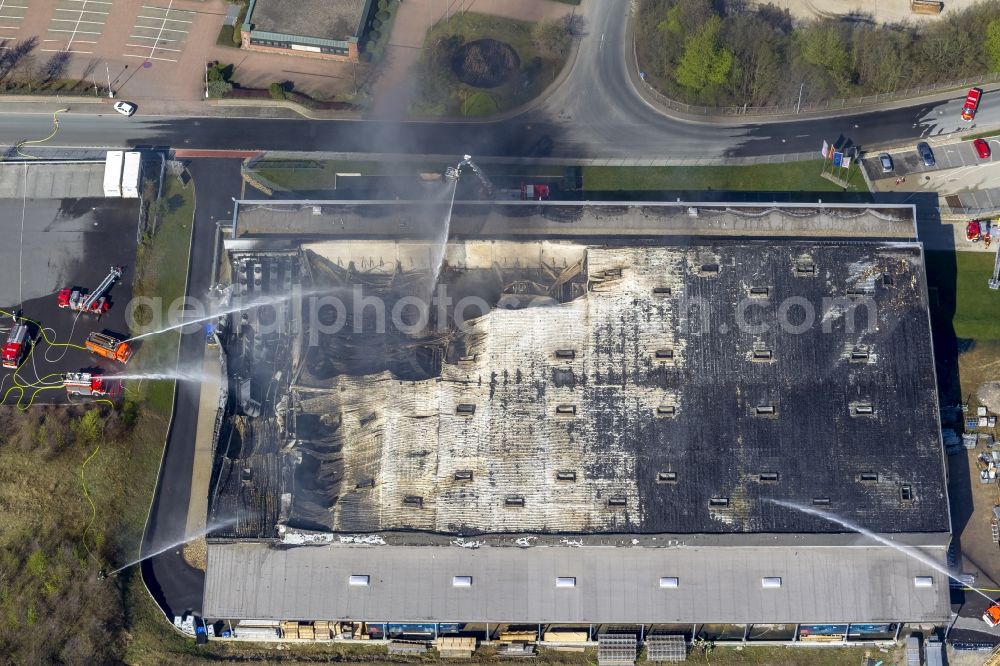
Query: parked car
125 108
982 148
886 161
926 154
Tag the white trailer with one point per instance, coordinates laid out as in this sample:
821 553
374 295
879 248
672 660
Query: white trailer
113 173
132 175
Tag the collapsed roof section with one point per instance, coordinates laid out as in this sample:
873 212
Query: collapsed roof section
659 390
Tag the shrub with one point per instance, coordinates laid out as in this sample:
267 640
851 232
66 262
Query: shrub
376 24
382 16
219 88
277 91
373 36
383 5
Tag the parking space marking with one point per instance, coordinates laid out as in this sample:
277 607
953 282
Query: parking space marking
159 33
12 12
83 22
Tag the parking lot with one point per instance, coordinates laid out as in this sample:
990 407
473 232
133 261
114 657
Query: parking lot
159 33
12 13
946 156
76 26
60 234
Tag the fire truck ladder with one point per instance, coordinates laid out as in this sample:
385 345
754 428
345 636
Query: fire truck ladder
112 277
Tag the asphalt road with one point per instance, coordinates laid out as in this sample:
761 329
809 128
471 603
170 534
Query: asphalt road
579 130
175 585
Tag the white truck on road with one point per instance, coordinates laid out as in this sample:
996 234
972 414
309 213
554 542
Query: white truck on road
113 173
132 175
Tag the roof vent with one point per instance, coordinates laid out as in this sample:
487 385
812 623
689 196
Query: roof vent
565 475
358 580
365 483
666 477
860 354
856 293
669 581
765 410
759 292
770 582
565 354
763 355
664 354
805 269
718 502
667 411
471 358
821 501
662 291
461 581
413 501
465 409
887 279
514 501
710 269
768 477
923 581
863 409
566 581
566 410
612 272
616 502
868 477
906 493
463 475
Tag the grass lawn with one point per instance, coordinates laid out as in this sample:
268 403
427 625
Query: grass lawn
441 93
783 177
306 175
958 283
980 135
479 104
784 656
162 276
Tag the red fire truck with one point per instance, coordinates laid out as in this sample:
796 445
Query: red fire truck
89 385
95 303
15 350
971 104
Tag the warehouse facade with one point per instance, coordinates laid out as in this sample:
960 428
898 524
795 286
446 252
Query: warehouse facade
329 29
640 434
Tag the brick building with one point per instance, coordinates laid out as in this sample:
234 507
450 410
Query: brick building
329 29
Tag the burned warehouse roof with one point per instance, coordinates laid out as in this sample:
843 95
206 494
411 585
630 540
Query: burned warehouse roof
621 387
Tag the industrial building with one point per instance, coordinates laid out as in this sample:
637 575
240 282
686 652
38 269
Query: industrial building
312 28
596 439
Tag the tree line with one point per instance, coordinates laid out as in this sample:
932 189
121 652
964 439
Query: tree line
731 53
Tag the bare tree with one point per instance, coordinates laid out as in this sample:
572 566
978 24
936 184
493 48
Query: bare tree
55 67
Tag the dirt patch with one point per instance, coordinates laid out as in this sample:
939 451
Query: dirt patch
485 63
989 395
195 553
